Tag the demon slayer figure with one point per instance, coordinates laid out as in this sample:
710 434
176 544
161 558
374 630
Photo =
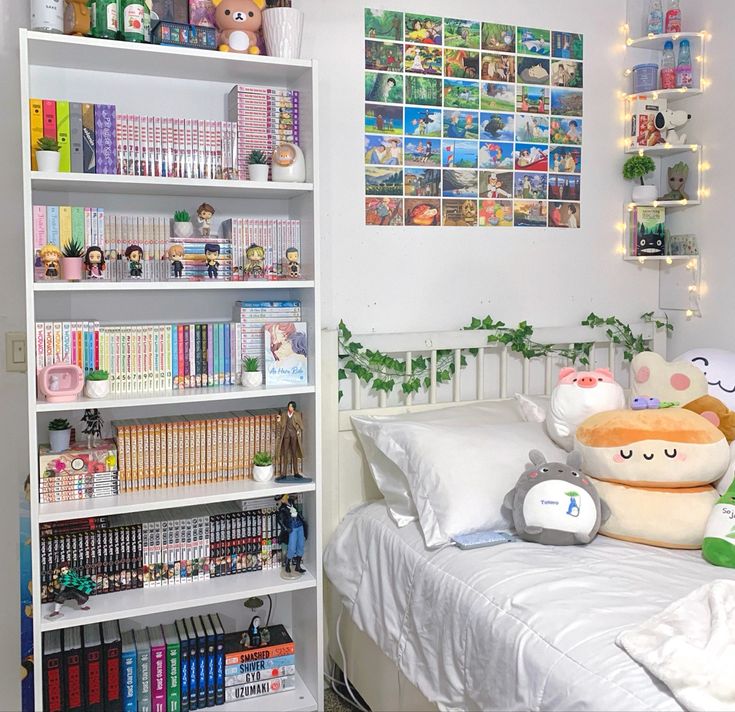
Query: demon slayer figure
134 253
290 437
294 532
94 262
205 213
50 256
71 587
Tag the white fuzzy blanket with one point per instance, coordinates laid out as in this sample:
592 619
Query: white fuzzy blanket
690 647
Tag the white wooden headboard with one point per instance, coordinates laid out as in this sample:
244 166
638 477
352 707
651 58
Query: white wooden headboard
496 373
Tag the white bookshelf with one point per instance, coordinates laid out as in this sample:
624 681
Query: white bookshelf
188 83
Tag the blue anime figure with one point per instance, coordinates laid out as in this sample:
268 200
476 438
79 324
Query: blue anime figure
294 531
211 255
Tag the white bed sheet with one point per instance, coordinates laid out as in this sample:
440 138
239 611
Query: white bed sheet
513 627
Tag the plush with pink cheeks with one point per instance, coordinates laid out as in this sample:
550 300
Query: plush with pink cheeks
578 395
677 382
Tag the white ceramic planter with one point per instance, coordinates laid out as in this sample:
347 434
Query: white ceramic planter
97 389
262 473
645 193
183 229
251 379
48 161
59 440
282 30
258 172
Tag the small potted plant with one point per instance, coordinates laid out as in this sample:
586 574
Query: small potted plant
258 167
252 376
47 155
262 467
183 227
72 260
97 384
59 434
639 167
282 29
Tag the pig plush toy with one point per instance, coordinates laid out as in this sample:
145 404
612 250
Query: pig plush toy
578 395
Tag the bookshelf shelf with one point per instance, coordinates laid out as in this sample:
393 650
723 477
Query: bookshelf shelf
158 599
660 258
132 286
664 149
184 396
170 498
144 185
656 42
666 204
671 95
297 700
108 56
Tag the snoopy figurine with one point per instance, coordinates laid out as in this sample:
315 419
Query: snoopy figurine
667 122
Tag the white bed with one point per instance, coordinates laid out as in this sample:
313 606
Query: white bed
515 627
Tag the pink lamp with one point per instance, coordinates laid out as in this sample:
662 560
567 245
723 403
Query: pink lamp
60 383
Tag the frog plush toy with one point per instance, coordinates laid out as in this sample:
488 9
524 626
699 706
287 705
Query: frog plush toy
555 503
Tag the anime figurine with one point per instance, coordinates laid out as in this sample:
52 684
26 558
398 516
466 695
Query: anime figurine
175 255
294 532
293 268
238 22
255 635
71 586
211 256
93 423
205 213
134 253
289 445
255 256
677 177
94 262
50 256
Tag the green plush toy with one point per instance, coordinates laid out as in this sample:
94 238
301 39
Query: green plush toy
718 546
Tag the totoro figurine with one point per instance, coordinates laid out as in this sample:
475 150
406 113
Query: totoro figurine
554 503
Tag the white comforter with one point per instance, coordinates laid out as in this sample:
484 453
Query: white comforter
513 627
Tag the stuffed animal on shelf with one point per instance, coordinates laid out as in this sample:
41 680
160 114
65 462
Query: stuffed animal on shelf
667 122
718 545
577 396
238 22
555 503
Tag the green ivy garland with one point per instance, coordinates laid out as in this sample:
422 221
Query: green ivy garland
383 372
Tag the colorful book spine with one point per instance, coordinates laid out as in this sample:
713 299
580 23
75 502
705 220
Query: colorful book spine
49 119
63 136
75 137
129 672
158 669
238 693
105 138
36 113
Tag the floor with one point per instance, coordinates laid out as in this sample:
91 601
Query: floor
333 703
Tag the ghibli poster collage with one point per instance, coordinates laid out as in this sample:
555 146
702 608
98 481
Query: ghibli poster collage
471 123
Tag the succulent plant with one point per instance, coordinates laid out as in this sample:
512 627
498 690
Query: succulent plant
98 375
59 424
47 144
258 158
182 216
74 248
251 364
262 459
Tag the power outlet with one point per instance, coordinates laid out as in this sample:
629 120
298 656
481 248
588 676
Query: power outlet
15 351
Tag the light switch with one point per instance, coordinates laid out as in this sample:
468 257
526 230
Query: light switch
15 351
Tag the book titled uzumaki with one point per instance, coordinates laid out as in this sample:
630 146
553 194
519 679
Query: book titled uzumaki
258 689
279 644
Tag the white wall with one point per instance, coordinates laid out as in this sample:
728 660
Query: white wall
393 279
712 221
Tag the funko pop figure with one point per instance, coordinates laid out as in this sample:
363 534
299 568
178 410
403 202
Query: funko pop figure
211 255
134 253
94 262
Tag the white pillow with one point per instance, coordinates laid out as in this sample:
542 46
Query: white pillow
533 408
459 473
388 476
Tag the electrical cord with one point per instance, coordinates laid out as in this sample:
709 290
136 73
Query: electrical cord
345 671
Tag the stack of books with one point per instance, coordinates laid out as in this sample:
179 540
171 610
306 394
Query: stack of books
275 236
196 266
86 134
158 453
265 117
252 316
145 358
78 473
261 670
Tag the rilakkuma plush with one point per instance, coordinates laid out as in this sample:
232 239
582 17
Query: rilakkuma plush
555 503
717 413
718 367
669 447
578 395
678 381
657 516
238 22
718 545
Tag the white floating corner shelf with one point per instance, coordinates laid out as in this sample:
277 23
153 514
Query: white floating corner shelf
671 95
656 42
642 259
664 149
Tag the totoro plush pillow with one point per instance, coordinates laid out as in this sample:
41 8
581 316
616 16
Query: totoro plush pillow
555 503
669 447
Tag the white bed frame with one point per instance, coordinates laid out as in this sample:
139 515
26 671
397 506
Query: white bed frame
495 374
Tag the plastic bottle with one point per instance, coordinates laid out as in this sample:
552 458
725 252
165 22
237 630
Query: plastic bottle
105 19
655 18
668 67
684 65
47 15
673 18
132 25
